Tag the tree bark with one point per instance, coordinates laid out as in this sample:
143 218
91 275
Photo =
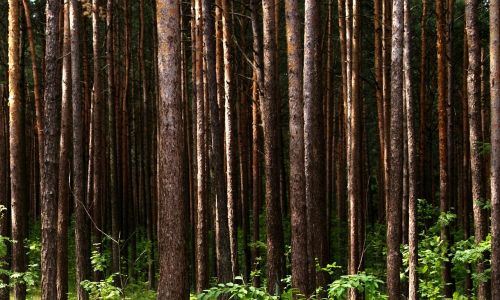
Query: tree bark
475 136
424 162
443 136
64 163
16 150
257 95
274 226
230 138
96 126
495 145
173 283
378 59
412 157
111 140
298 204
396 161
36 82
201 239
342 145
81 227
223 253
49 176
314 150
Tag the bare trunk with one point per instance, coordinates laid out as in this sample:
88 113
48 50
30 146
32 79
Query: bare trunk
495 145
230 126
36 82
51 138
257 95
298 204
444 204
396 160
412 157
172 237
81 228
314 150
16 150
475 136
274 226
64 164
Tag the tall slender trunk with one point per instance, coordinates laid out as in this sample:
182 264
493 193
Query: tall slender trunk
341 145
36 82
443 136
64 164
495 145
450 112
424 170
274 226
111 140
51 138
396 160
201 247
230 135
221 222
353 134
412 157
81 228
313 146
298 204
16 150
466 205
172 231
257 94
378 59
386 92
96 130
475 133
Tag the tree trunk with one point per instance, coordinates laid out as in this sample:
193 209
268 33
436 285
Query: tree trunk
274 226
51 138
424 151
201 247
81 227
257 95
16 150
36 82
314 148
396 161
443 136
380 103
495 145
353 134
386 92
221 222
412 157
172 237
111 141
342 145
298 204
475 134
230 126
64 164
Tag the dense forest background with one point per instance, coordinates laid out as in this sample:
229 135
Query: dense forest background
253 149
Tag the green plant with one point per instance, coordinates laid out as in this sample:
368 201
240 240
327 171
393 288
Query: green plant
365 283
467 252
239 290
102 289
